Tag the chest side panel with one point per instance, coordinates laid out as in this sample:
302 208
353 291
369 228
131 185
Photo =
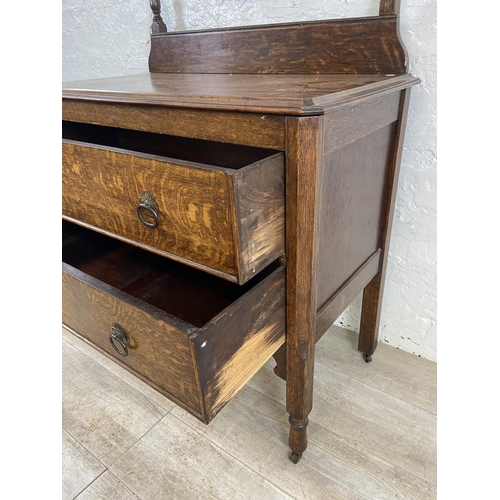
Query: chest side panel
352 194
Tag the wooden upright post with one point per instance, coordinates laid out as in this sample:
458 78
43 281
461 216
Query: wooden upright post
304 155
158 25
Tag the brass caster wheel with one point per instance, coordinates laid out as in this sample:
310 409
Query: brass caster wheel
295 457
367 357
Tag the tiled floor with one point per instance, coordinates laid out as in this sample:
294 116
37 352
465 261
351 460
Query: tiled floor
372 432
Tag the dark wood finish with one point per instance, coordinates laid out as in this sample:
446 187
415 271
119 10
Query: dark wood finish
280 358
198 220
259 195
388 7
235 128
217 154
240 340
158 25
352 204
373 292
333 96
363 46
346 294
159 350
275 94
195 337
304 157
348 124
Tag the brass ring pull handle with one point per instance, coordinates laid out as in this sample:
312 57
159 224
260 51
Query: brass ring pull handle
119 339
148 210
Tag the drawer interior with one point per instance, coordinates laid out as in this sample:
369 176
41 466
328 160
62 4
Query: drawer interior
212 153
191 295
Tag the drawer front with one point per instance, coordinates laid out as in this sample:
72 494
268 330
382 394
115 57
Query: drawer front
227 222
158 351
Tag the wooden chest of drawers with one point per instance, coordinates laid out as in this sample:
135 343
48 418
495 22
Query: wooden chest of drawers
223 209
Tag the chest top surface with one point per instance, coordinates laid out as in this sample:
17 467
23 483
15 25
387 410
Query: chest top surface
280 94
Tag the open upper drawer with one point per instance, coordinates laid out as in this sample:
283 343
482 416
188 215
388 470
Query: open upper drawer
214 206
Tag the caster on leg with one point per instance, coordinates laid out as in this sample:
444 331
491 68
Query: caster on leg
295 457
367 357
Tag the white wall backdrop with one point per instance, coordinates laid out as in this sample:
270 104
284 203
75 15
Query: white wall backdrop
109 38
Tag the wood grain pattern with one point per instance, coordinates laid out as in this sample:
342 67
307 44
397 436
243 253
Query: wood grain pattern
326 93
363 45
304 157
260 215
158 350
334 307
373 292
351 123
235 128
352 202
388 7
101 187
237 327
275 94
236 345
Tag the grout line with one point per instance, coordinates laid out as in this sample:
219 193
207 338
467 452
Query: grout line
137 441
83 446
91 482
233 457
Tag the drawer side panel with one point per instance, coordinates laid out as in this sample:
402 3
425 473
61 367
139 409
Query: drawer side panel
260 202
239 342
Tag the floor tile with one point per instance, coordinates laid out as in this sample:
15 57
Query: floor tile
107 487
119 371
394 371
253 428
105 414
174 462
79 469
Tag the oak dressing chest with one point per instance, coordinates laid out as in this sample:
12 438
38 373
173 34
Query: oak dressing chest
228 205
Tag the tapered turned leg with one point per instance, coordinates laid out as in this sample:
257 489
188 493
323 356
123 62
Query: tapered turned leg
370 317
298 438
300 376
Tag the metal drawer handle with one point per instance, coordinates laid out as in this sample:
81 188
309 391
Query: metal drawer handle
119 339
148 209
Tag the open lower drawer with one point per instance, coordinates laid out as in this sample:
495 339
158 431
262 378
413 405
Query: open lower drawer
194 337
218 207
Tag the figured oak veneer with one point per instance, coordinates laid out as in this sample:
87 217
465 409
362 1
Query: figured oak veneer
273 153
228 221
